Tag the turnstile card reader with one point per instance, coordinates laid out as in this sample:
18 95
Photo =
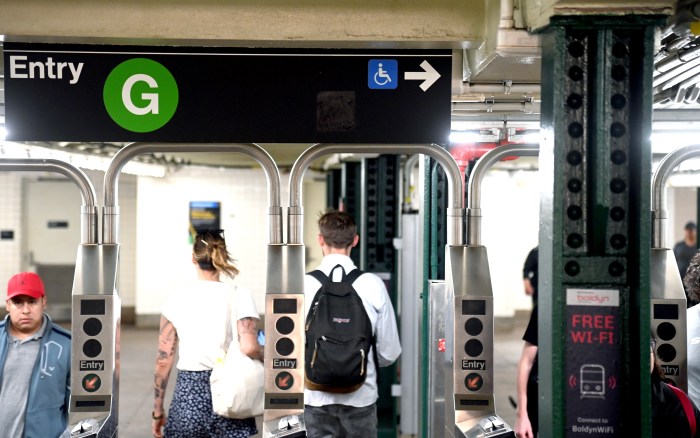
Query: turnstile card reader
668 316
93 408
284 343
471 377
284 349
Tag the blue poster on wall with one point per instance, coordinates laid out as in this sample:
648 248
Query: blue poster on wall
204 215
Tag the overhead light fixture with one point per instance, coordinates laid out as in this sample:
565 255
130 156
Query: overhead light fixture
464 137
83 161
664 142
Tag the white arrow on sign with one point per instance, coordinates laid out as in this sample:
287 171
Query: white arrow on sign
429 75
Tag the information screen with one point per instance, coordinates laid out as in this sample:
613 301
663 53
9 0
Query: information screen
284 305
473 307
665 311
92 307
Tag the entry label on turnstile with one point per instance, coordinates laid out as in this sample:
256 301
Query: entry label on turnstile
479 365
592 362
284 363
92 365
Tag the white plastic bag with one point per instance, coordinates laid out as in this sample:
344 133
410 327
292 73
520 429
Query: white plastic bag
237 384
236 380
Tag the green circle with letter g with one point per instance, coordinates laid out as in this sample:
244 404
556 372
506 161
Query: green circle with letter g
140 95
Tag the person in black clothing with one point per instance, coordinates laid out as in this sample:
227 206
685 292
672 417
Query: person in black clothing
684 251
526 413
668 417
530 274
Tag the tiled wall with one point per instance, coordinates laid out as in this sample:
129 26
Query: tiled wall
10 220
163 248
12 256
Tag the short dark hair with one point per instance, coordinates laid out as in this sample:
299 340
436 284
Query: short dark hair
337 228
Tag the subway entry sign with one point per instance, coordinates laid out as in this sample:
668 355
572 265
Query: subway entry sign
79 92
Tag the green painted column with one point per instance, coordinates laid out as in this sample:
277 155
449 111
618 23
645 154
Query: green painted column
595 234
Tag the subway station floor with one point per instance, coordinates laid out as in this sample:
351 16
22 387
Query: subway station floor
138 347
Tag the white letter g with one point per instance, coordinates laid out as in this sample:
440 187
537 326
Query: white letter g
152 107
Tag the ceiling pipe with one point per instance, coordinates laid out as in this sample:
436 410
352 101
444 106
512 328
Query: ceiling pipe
675 59
527 107
664 77
504 88
679 78
506 21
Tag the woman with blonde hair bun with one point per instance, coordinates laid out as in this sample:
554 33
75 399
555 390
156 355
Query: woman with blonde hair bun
193 322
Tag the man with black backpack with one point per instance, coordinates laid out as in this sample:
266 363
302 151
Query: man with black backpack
350 330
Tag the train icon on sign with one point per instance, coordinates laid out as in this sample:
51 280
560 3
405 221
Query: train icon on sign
592 381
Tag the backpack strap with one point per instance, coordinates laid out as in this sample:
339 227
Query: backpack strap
687 408
319 275
350 278
353 275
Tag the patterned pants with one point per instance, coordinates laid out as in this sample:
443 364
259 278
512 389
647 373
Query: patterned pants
191 414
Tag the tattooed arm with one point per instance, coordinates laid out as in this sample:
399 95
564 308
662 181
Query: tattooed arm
167 344
248 338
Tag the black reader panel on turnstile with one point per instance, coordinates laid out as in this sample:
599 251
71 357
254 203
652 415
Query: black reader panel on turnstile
94 356
474 361
284 346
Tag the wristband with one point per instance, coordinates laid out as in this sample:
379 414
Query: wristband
153 415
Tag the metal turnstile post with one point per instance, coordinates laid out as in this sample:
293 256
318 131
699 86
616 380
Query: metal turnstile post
94 401
469 359
284 343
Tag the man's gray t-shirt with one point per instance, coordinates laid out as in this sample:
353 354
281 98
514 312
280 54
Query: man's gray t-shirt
16 376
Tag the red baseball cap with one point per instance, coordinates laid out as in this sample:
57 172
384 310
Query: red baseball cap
25 283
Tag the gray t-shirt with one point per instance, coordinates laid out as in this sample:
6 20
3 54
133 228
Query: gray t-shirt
16 376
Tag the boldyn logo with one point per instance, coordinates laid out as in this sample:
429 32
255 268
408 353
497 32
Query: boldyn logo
140 95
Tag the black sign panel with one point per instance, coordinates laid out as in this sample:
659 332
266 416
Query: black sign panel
69 92
593 363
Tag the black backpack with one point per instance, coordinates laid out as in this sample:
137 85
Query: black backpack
338 336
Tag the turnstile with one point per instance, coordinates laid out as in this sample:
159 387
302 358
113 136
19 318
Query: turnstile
94 401
668 299
469 373
284 343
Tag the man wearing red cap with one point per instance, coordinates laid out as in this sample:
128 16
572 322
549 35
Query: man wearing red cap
34 364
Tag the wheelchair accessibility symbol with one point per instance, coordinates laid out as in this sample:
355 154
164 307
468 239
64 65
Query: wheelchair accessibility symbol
383 74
